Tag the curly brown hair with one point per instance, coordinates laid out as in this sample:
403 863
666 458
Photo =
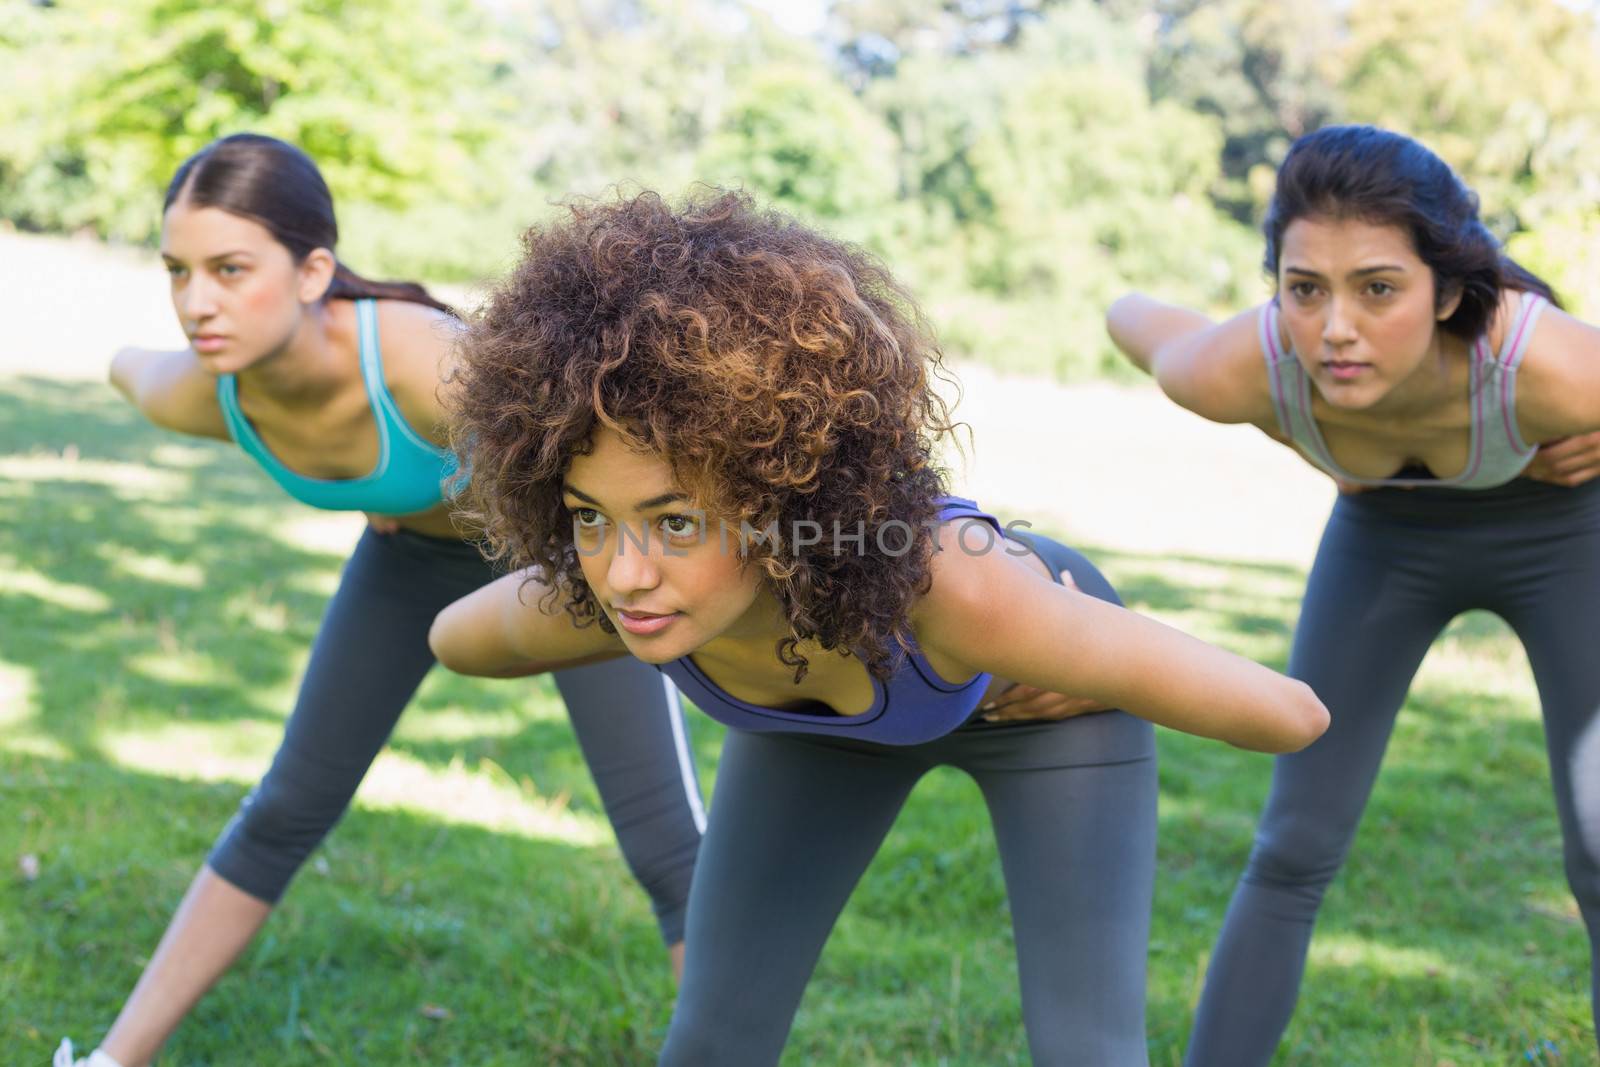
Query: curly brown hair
783 375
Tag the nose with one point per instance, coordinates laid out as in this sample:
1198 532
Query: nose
196 299
1339 327
634 566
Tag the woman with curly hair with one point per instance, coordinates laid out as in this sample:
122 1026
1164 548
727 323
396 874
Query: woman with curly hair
1407 356
331 383
705 435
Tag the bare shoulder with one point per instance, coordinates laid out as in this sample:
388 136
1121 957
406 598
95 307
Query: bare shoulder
171 389
1221 373
975 573
1558 380
418 345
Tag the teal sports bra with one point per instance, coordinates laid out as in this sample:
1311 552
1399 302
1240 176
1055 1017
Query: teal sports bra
411 470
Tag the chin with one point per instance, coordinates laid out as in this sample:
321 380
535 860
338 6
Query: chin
1355 397
654 652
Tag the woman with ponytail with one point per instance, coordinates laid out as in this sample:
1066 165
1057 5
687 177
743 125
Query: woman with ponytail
1447 391
332 383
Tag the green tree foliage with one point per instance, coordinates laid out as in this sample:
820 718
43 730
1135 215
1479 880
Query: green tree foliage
1509 96
1019 162
801 140
392 97
1263 69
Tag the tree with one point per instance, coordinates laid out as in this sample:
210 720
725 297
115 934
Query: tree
1504 90
393 98
804 142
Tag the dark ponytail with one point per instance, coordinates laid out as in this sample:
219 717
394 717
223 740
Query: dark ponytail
1387 179
274 183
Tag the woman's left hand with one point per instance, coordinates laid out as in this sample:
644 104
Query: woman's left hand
1568 461
1024 703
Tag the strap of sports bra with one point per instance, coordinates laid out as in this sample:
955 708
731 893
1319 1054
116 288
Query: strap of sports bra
1520 331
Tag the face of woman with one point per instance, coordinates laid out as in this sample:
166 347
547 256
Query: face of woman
670 579
1359 305
238 293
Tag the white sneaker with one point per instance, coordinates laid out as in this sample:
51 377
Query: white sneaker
97 1058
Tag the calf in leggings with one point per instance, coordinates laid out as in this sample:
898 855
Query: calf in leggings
1409 358
287 361
704 433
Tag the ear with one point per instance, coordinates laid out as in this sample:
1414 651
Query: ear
316 274
1448 299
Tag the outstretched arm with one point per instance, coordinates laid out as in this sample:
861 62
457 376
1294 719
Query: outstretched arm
1216 371
170 389
500 631
988 613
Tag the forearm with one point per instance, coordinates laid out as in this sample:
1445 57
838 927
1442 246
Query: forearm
501 631
1143 328
1123 659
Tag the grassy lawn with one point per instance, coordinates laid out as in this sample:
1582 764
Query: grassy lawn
158 597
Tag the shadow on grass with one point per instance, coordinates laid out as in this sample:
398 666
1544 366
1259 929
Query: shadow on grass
144 577
150 583
407 942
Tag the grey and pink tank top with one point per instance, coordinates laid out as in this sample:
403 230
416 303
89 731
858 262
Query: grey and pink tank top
912 706
1497 452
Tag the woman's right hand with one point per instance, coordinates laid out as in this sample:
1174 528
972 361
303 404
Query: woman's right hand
382 524
1568 461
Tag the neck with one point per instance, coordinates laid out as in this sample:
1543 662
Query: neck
1432 387
304 370
750 645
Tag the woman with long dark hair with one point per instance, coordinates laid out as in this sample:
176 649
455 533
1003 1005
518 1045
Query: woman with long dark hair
332 383
1410 358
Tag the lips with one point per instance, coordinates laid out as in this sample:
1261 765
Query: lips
208 342
1343 370
643 623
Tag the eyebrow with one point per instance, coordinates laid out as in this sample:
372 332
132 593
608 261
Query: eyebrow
643 505
209 259
1363 272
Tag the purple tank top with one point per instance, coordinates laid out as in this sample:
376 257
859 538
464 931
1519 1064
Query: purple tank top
912 706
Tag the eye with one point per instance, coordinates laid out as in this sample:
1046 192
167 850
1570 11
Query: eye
1381 289
680 526
230 270
587 519
175 272
1302 290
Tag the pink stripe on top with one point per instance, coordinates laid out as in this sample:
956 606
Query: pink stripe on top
1511 358
1491 459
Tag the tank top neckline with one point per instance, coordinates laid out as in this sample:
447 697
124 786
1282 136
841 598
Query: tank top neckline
370 361
1292 403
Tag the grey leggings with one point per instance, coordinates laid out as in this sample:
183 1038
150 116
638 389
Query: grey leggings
1394 567
797 818
371 654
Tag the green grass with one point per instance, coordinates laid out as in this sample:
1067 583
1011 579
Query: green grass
158 598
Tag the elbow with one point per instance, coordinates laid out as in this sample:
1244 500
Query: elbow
443 650
117 374
1308 720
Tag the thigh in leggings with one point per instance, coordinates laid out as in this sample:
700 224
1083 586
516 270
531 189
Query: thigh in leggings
370 655
1074 811
1553 603
795 822
1376 600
